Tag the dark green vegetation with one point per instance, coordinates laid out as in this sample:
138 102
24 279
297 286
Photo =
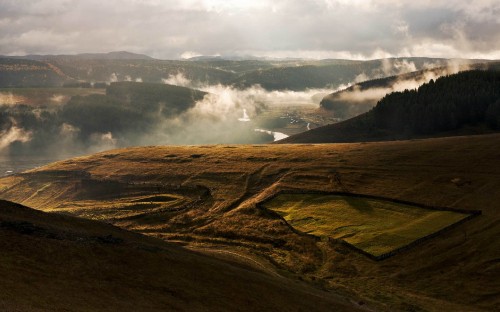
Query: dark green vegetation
363 96
127 108
77 119
162 192
464 103
52 262
375 226
466 99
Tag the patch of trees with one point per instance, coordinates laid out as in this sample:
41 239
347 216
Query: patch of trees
77 85
470 98
128 111
150 97
98 113
128 107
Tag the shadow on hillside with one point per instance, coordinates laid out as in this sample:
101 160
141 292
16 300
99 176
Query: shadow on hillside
358 203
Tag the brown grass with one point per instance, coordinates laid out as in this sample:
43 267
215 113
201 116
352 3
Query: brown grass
456 271
52 262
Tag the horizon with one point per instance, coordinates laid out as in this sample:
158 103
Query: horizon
242 57
329 29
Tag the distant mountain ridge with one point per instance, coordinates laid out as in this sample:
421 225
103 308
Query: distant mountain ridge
270 74
115 55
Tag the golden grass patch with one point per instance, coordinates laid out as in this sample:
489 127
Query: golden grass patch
375 226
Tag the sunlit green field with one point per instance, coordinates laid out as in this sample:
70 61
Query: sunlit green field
372 225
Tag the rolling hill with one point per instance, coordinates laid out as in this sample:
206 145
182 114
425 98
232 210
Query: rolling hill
42 70
270 74
115 55
209 198
335 73
464 103
53 262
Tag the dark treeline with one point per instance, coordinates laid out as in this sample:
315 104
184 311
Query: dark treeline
128 107
470 98
459 104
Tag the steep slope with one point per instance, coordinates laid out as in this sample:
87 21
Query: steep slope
361 97
207 198
464 103
51 262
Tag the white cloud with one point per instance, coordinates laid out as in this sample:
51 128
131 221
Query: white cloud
190 54
13 134
356 29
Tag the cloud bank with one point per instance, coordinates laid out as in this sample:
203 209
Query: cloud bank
311 29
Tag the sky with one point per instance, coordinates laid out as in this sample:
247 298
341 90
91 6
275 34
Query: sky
319 29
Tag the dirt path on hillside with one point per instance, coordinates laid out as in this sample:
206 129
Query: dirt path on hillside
241 258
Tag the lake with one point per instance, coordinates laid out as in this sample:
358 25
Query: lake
17 164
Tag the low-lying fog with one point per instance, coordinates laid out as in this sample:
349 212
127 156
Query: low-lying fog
225 115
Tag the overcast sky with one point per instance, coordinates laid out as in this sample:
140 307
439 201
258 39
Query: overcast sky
167 29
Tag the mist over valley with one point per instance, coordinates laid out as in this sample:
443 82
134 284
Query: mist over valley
105 101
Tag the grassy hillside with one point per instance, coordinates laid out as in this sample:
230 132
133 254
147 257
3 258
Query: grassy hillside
207 197
29 73
377 227
43 97
464 103
52 262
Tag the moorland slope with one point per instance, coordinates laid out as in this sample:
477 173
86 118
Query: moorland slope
206 197
53 262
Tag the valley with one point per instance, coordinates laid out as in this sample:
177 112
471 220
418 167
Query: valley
242 156
398 214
